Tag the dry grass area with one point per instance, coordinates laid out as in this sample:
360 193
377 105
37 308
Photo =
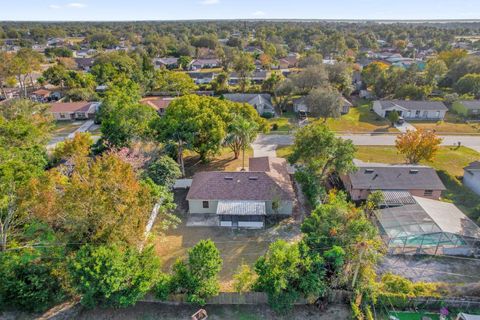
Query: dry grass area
224 161
236 246
451 125
66 127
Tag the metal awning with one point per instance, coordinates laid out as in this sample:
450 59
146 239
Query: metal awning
241 208
397 198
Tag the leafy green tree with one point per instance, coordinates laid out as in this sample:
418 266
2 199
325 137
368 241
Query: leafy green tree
340 76
24 63
172 82
28 281
241 133
393 117
412 92
287 272
110 67
324 102
318 149
469 84
25 130
164 171
244 65
194 122
184 61
310 78
56 75
197 276
220 83
435 70
110 275
244 279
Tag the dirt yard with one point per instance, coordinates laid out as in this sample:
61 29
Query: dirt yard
434 269
153 311
236 246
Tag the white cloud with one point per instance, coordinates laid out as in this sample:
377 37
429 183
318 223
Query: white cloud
258 13
54 6
76 5
209 2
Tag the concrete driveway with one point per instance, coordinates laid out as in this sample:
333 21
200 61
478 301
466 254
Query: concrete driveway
267 142
404 127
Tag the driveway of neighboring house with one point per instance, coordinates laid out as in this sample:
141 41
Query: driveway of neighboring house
404 127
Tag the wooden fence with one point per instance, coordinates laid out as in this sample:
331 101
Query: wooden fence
251 298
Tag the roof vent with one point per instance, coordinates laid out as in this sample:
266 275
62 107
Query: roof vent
253 178
228 178
413 171
369 171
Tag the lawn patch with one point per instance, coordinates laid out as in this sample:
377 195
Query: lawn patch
224 161
451 124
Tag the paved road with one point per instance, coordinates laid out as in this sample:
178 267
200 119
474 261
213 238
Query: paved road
267 142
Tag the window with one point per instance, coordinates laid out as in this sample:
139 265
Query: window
438 114
62 115
205 204
428 193
417 114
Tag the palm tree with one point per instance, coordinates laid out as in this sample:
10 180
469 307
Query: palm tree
241 133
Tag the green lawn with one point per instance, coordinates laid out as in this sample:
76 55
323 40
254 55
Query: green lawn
452 124
360 119
285 123
449 163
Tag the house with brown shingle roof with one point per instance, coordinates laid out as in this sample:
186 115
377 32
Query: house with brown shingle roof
82 110
160 104
244 198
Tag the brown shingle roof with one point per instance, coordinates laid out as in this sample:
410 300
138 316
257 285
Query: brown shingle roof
70 106
244 185
157 104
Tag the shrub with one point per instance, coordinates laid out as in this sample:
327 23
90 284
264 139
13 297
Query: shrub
275 127
164 171
113 276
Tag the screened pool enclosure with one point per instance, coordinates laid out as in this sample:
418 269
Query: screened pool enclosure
427 227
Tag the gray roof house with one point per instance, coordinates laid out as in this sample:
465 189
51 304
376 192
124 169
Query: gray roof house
262 102
421 181
168 62
411 110
467 108
243 198
299 105
471 176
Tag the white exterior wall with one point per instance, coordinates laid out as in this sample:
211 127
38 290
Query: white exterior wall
196 206
472 181
431 114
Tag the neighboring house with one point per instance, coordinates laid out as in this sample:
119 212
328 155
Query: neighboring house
421 181
74 110
471 176
290 61
198 64
169 63
411 110
257 77
202 77
300 106
261 102
160 104
467 108
41 95
244 198
84 63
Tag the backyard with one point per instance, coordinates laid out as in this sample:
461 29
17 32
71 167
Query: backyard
236 246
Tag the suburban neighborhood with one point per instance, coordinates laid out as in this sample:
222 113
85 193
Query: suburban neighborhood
246 168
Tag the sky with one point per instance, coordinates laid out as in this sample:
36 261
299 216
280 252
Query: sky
108 10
